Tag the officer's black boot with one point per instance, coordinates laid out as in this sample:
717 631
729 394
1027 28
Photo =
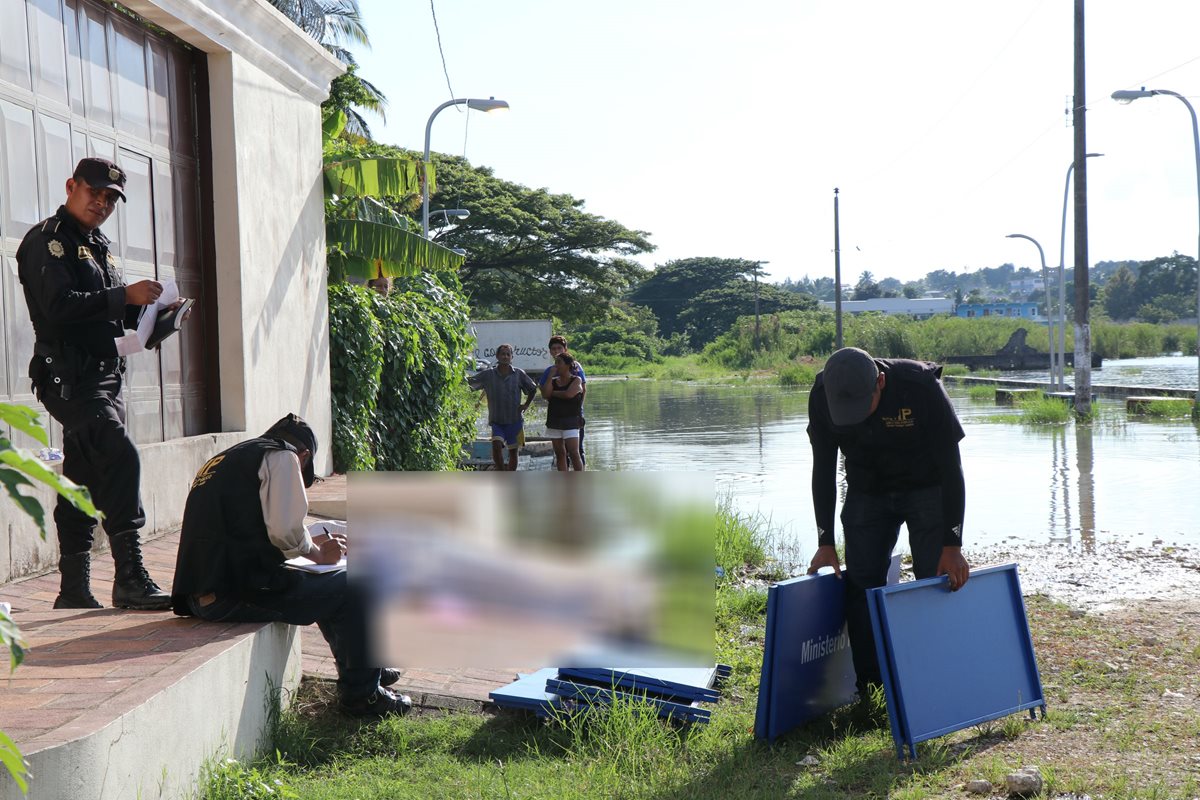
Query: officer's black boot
75 588
132 586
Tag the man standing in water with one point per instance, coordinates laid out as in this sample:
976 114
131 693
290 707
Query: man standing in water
896 428
503 385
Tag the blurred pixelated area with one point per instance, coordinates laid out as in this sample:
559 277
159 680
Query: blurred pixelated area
523 569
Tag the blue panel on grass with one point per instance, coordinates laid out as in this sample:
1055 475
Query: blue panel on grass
807 670
951 660
529 693
680 711
693 683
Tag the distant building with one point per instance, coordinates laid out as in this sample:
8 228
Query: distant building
1022 310
920 308
1026 285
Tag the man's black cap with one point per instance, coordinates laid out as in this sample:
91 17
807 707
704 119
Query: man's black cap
851 376
295 431
100 173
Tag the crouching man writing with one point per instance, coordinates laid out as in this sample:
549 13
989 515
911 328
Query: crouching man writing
244 516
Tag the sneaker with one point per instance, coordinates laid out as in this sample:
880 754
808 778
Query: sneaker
388 676
379 704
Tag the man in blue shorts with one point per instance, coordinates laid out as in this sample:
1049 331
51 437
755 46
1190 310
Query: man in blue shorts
558 346
503 385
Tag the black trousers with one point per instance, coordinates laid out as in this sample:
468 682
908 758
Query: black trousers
98 454
337 606
872 525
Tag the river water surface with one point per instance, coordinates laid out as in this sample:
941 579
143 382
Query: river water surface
1121 481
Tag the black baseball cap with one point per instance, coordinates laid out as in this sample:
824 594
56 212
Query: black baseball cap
850 378
100 173
296 432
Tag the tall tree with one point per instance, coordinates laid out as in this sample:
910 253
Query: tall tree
866 288
532 253
714 311
1120 294
673 286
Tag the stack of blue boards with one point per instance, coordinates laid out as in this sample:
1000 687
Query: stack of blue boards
953 660
675 692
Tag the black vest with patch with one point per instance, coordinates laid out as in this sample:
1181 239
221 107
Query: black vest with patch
224 548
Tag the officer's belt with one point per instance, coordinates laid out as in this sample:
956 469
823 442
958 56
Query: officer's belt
85 362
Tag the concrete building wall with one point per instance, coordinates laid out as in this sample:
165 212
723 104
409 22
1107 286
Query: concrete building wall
266 82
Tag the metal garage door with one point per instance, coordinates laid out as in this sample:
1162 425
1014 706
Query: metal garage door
78 79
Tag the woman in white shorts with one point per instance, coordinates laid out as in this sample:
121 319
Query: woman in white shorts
564 395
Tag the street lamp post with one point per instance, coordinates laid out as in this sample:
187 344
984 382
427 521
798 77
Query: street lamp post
491 104
1128 96
1062 283
1045 291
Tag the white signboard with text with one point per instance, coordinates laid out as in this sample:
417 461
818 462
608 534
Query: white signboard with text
528 338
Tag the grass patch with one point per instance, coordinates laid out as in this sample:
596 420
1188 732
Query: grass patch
1110 731
1045 411
740 543
687 369
1175 408
797 375
982 391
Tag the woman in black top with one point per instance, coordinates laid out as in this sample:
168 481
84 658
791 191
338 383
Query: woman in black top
564 395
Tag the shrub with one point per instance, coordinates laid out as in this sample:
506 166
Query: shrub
797 375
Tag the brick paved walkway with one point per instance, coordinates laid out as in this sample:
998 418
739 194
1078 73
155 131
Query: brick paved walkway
86 668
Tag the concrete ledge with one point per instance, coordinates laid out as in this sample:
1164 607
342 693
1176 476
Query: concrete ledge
1101 389
185 691
1068 397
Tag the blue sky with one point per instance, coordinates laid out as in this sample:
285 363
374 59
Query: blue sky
722 128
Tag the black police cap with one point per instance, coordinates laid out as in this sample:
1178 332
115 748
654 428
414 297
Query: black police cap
100 173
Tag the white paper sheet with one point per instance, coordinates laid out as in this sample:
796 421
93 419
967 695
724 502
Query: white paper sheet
170 294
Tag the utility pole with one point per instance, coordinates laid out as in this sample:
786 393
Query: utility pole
757 268
1083 330
837 275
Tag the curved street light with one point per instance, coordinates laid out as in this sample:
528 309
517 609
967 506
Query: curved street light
1062 284
490 104
1128 96
1045 292
448 214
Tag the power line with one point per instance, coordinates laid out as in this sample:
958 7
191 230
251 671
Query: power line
441 52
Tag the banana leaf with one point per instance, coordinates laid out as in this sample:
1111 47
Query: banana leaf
370 249
375 177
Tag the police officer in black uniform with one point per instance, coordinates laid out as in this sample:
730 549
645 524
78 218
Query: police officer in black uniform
79 307
896 428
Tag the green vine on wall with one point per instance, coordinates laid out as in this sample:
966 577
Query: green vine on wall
399 402
355 362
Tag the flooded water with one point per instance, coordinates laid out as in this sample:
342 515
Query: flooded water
1172 372
1121 481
